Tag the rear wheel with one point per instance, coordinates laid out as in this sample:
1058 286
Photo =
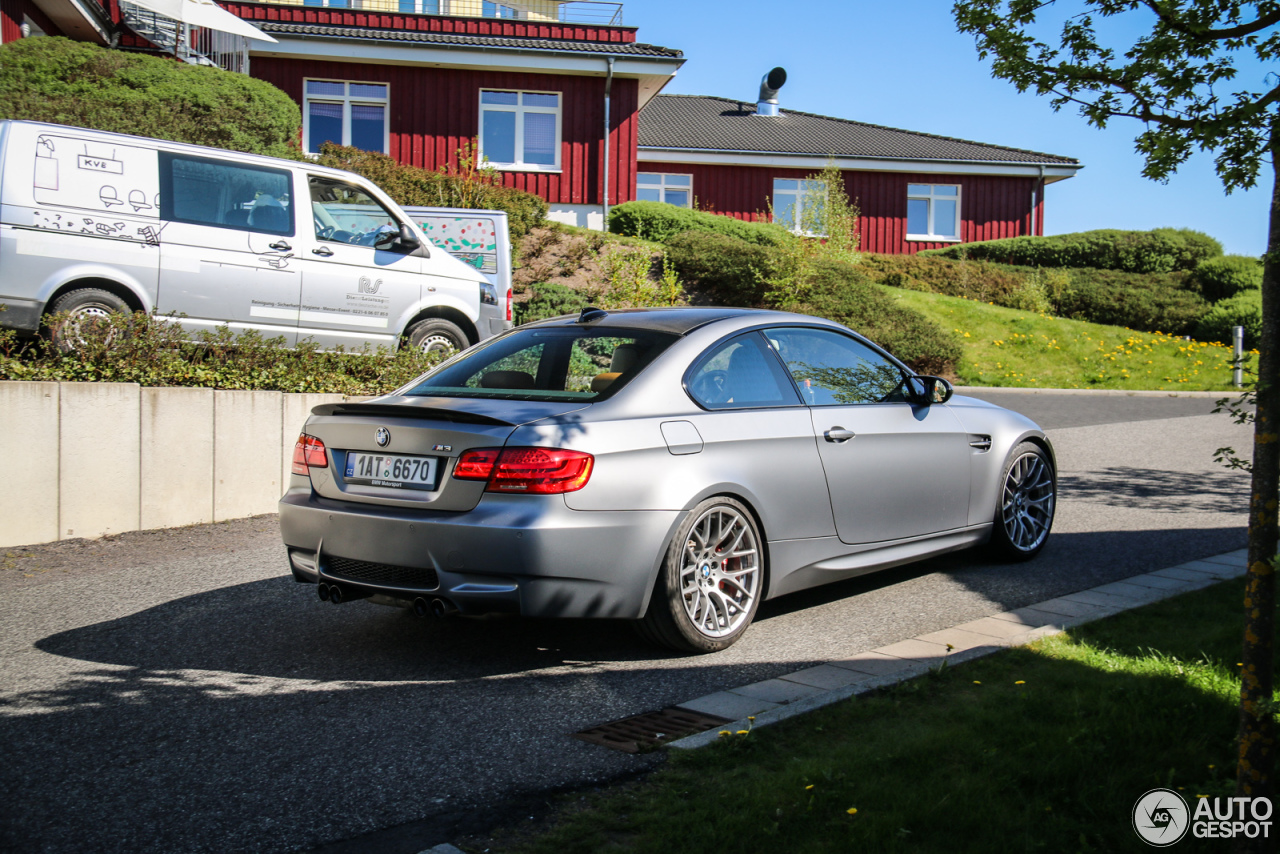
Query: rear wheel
1025 505
437 335
711 580
83 305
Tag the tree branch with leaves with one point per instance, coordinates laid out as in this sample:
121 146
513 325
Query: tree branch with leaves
1182 78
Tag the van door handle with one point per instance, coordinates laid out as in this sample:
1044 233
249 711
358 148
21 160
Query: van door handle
280 246
838 435
323 250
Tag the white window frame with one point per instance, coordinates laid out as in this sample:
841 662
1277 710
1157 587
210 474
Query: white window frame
519 109
930 197
662 185
347 101
799 194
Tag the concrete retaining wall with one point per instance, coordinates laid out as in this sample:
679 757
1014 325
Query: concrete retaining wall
91 459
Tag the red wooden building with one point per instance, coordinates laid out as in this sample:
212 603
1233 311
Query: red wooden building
534 84
914 191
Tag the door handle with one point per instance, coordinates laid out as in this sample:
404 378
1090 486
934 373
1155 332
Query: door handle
838 435
280 246
324 251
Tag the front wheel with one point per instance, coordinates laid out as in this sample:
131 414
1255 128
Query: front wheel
437 335
1025 505
711 580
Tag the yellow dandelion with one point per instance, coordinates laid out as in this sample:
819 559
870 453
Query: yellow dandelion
1020 682
852 810
976 682
724 732
808 787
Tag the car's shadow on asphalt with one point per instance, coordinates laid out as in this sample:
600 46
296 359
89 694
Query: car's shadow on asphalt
279 629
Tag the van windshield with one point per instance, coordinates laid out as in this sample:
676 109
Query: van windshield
548 364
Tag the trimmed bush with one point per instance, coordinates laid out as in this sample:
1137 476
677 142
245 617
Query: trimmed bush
476 189
139 348
1220 278
550 300
1243 309
721 264
838 291
661 222
1148 303
66 82
1160 251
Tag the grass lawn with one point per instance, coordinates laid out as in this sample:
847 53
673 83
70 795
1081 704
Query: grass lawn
1045 747
1008 347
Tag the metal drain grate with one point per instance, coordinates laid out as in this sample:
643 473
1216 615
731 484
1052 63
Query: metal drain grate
642 732
359 570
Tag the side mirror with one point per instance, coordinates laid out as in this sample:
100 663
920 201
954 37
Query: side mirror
929 390
408 236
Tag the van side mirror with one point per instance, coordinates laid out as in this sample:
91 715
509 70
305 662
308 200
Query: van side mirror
405 239
926 391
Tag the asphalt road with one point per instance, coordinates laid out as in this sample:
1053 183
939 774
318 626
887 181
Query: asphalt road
177 691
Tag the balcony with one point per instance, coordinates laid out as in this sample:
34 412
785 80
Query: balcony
589 12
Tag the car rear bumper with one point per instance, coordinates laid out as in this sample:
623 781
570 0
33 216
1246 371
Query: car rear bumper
527 555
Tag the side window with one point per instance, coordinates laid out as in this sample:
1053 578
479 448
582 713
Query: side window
204 191
346 213
833 369
739 373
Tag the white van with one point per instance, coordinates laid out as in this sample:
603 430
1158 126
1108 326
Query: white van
94 222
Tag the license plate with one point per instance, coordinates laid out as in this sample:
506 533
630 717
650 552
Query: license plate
393 470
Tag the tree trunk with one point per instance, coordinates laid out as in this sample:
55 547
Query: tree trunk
1254 775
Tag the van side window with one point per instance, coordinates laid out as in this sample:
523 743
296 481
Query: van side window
205 191
345 213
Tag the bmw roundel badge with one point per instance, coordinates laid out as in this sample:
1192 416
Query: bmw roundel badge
382 437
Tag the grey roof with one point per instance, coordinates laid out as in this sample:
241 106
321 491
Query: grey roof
463 40
720 124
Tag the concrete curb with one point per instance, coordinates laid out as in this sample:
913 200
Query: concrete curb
1097 392
796 693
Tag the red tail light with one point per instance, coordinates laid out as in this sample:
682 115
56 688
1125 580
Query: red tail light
529 471
509 299
308 453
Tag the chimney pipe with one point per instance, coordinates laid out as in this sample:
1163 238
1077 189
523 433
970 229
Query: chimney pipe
767 103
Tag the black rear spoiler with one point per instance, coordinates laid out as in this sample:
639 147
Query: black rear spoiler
400 410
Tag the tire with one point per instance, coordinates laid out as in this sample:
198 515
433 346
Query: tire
704 601
1025 503
79 305
437 335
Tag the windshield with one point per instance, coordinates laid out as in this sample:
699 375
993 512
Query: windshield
548 364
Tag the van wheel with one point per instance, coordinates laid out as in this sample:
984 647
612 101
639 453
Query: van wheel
437 335
83 304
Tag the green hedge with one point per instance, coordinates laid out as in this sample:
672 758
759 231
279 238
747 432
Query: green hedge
1148 303
1220 278
839 292
1158 251
724 265
1243 309
412 185
66 82
661 222
138 348
549 299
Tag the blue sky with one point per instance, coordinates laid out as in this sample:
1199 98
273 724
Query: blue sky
903 64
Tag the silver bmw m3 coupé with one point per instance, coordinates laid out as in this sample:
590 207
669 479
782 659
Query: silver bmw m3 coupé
674 467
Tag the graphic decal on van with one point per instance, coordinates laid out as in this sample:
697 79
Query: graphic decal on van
473 241
120 181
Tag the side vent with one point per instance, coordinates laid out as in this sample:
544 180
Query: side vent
979 443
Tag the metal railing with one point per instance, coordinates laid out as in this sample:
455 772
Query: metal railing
534 11
194 45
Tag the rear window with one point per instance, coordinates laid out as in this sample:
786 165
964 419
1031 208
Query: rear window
548 364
